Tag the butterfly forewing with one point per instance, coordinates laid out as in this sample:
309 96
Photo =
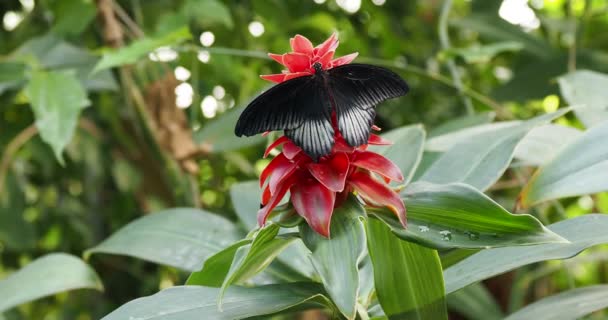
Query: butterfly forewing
356 89
278 108
301 107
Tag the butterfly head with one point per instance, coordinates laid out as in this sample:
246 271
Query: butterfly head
318 67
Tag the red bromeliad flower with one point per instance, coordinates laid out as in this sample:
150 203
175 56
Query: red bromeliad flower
300 62
317 187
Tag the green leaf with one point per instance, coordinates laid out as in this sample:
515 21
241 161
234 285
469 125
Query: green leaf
459 216
579 168
428 158
406 150
408 277
195 302
572 304
253 258
586 88
367 291
444 142
482 160
56 99
542 143
454 256
183 238
246 198
208 12
12 75
462 123
482 53
219 136
45 276
493 27
475 302
246 202
71 17
54 53
337 259
216 267
134 51
582 232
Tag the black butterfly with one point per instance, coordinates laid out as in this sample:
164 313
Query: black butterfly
303 106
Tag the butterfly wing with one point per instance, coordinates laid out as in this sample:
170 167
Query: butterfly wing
356 89
301 107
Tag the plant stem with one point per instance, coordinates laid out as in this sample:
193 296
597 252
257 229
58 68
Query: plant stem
15 144
444 41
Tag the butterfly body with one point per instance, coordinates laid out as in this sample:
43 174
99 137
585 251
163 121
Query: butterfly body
303 106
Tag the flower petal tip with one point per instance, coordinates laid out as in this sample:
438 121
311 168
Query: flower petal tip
276 78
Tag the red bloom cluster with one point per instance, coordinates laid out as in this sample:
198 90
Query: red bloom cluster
300 62
317 187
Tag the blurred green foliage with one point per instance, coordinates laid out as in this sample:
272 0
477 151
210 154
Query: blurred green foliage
117 168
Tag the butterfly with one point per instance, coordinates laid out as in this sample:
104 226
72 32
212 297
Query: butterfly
303 106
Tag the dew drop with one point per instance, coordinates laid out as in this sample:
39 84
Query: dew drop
446 235
472 235
423 228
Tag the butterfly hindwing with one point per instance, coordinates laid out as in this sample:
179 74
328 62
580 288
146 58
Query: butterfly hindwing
356 89
316 135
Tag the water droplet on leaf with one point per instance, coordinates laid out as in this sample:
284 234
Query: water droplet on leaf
472 235
446 235
423 228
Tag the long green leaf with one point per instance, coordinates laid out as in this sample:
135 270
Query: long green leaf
579 168
183 238
51 274
246 198
408 277
337 259
216 267
445 141
462 123
406 150
459 216
481 160
253 258
586 88
475 302
131 53
53 53
571 304
196 302
582 232
246 202
542 143
57 99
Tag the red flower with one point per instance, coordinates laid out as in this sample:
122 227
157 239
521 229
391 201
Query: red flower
317 187
300 62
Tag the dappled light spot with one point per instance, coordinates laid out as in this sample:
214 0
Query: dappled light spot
256 28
